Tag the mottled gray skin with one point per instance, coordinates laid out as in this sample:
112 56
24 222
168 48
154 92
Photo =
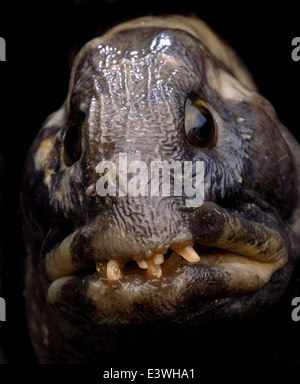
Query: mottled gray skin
129 89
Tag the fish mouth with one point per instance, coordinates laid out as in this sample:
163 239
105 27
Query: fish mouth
235 257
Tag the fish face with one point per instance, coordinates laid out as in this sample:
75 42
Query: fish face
164 187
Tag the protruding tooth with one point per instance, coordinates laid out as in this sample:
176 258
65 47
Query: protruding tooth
142 264
158 258
113 270
154 270
187 253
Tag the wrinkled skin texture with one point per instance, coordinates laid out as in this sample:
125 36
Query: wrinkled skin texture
129 91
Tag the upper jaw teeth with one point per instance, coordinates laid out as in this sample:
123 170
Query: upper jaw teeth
187 252
157 259
113 269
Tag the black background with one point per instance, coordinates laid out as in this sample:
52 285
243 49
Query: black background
41 40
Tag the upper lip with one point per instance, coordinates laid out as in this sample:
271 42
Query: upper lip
219 228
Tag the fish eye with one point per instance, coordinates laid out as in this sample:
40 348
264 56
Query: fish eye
199 124
72 140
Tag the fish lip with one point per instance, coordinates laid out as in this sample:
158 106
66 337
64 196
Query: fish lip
238 273
207 280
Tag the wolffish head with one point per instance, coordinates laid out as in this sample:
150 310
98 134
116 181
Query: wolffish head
163 188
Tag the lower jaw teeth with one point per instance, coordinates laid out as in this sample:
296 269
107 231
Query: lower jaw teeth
154 270
112 270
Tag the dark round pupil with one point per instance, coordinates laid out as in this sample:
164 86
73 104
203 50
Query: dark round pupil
202 128
72 144
72 138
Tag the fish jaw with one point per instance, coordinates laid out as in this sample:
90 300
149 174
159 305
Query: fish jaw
179 286
243 254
